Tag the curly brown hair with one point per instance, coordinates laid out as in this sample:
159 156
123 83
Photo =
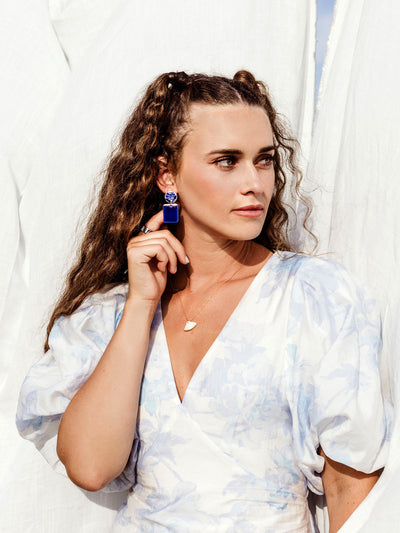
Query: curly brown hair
129 195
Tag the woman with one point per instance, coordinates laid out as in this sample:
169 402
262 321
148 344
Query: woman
228 375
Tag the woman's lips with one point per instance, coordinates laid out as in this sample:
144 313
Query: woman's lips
250 211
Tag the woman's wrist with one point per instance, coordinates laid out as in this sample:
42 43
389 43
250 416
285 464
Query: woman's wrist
137 307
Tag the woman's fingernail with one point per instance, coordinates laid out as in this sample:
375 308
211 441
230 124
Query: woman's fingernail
187 259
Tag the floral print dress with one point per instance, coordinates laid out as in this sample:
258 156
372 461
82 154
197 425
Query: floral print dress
294 368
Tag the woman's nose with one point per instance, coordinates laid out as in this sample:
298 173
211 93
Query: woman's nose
251 180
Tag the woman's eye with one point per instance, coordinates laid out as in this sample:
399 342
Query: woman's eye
266 160
225 162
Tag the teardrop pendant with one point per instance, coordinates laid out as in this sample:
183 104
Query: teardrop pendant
189 325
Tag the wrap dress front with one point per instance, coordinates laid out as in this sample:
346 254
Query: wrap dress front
294 368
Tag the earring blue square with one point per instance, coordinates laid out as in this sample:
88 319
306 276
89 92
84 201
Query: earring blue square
170 213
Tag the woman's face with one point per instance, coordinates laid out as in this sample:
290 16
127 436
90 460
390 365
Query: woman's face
226 176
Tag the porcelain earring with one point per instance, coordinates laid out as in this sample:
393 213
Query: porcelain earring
170 208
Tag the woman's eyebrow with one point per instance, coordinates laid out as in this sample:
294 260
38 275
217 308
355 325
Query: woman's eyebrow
227 151
267 149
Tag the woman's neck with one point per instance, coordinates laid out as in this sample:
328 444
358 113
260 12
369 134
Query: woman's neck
211 261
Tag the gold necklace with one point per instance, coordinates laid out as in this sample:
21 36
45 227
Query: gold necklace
191 324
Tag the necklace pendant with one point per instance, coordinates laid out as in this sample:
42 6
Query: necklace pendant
189 325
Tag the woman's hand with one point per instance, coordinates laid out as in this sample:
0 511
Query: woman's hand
150 256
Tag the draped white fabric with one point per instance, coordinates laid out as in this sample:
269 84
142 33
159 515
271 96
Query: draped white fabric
355 159
73 70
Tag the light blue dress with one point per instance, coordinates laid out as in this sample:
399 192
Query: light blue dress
294 368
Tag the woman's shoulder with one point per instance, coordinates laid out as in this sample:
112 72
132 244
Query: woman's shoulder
299 263
99 312
111 295
325 292
316 273
89 328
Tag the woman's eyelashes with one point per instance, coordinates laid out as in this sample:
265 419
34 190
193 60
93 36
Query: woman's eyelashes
266 160
229 162
226 161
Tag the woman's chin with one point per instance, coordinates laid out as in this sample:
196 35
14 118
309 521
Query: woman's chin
244 235
248 232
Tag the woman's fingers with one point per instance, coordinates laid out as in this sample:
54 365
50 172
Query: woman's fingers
164 236
149 255
159 254
155 222
156 233
157 246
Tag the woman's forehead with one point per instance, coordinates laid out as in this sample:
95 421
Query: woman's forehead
230 123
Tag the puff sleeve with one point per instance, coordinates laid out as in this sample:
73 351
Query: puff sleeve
333 381
76 344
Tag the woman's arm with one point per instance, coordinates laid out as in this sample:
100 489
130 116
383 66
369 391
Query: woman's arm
98 427
345 488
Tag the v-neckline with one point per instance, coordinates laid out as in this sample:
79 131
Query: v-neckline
266 266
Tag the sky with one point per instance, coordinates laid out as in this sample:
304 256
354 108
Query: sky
324 18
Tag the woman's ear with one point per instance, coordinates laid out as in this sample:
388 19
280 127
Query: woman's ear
165 179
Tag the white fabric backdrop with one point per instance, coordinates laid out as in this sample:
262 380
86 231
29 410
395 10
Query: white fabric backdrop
355 161
80 67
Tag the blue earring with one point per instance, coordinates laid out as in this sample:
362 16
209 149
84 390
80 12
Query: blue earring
170 208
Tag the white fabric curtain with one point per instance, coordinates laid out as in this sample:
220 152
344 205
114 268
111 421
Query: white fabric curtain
73 71
354 166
